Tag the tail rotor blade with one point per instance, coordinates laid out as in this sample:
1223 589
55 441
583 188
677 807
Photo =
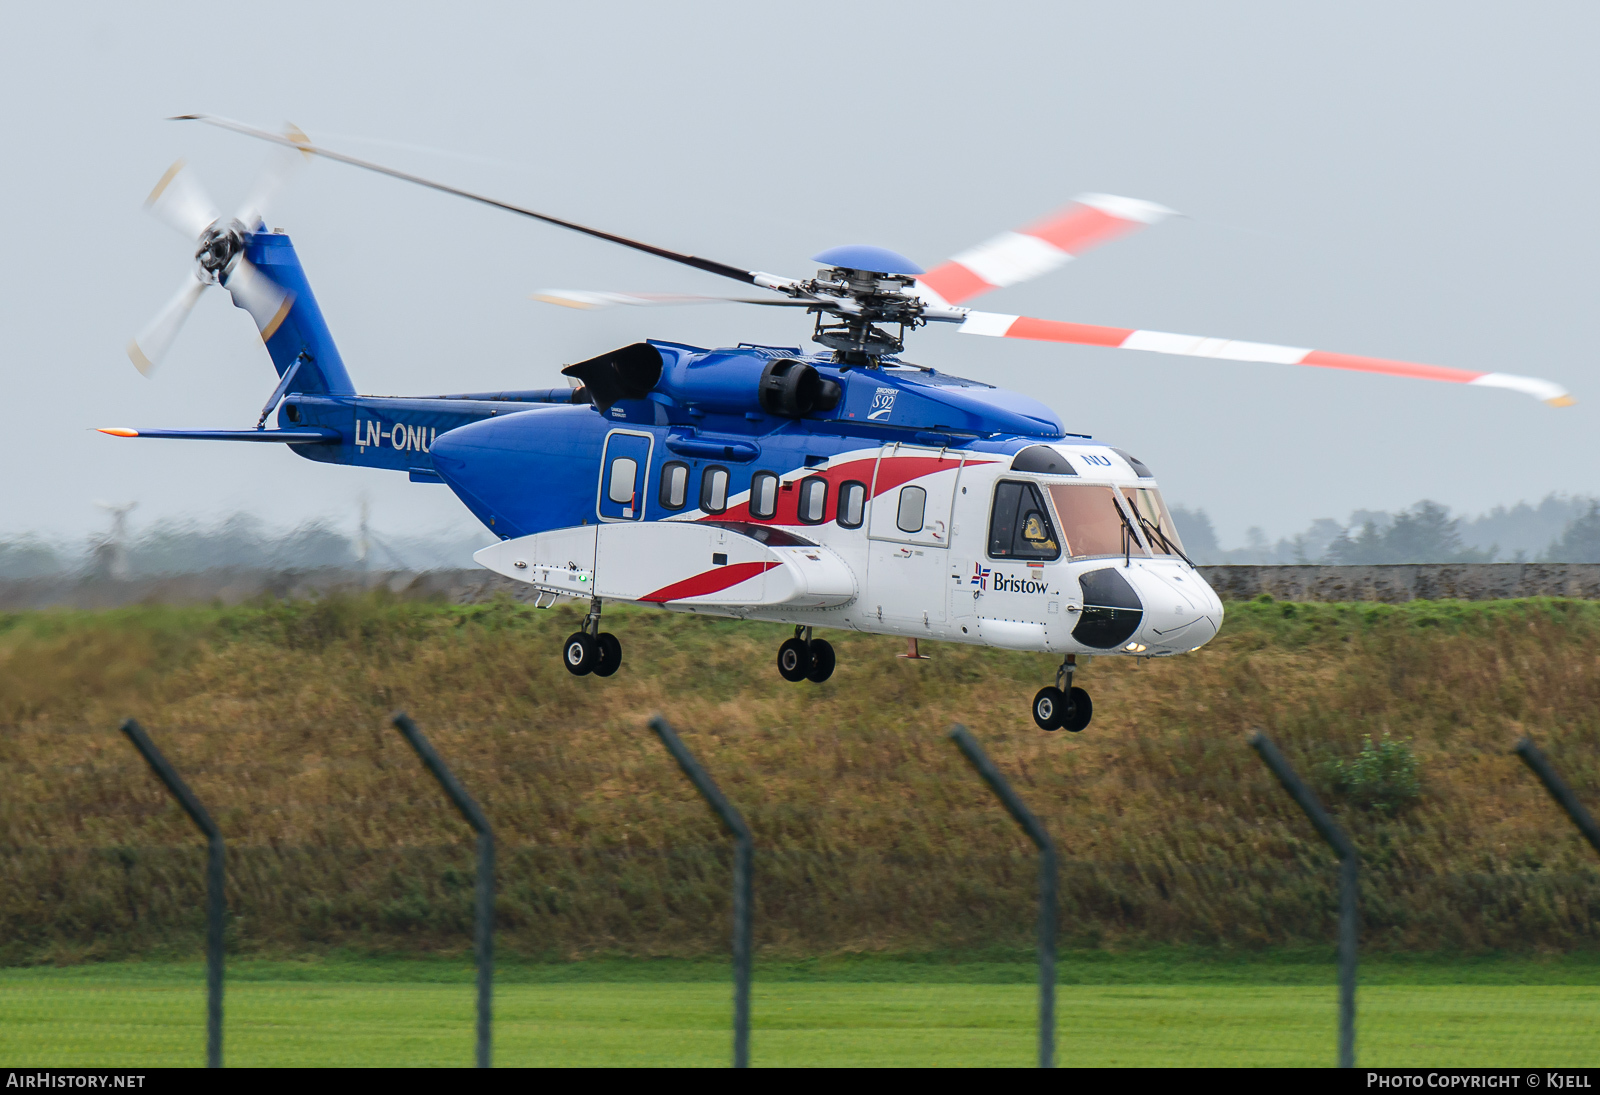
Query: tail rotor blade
267 302
280 168
151 344
1160 342
181 203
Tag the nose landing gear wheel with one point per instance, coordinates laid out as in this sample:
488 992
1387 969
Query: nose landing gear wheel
821 660
794 660
608 658
580 653
1050 705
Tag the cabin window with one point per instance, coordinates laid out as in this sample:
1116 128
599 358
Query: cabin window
1019 527
852 503
913 506
674 485
714 489
624 479
763 494
1092 521
813 506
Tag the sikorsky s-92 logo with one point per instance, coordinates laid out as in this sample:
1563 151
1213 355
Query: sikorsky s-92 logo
882 403
400 436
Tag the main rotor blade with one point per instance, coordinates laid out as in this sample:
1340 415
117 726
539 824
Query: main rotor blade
1012 257
588 299
180 202
150 345
1083 334
710 266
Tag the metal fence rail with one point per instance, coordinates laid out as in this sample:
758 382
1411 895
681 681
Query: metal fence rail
483 918
1047 884
216 900
1535 759
743 852
1349 866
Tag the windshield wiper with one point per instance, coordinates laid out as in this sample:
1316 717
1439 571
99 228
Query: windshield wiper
1155 533
1128 535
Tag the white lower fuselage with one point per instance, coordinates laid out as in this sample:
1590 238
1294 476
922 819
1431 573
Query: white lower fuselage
941 564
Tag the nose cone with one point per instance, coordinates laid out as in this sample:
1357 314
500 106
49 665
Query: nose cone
1181 612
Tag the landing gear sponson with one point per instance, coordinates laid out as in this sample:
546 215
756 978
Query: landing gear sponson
803 658
1061 706
592 650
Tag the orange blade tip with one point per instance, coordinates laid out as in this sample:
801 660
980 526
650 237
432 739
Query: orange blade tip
118 431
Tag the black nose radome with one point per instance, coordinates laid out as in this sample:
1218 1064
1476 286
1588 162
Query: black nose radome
1111 609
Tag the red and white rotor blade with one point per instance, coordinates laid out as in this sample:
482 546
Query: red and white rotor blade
1012 257
1160 342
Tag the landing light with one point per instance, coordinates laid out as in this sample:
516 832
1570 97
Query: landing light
1136 648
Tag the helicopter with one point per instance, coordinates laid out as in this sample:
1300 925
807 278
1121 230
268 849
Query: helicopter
846 489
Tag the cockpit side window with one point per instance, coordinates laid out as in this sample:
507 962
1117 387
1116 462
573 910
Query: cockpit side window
1019 526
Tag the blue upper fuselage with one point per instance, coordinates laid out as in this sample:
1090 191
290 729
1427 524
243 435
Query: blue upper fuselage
539 469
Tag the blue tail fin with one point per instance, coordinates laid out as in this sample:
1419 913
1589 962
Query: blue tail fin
301 335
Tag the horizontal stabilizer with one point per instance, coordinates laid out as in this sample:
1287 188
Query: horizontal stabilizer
304 435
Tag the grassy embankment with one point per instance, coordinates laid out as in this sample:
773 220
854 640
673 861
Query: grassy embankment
873 835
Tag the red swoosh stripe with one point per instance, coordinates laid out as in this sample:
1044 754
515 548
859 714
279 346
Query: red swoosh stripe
712 581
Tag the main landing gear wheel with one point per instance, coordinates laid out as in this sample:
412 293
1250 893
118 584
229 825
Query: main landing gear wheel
581 653
1049 705
821 660
794 660
1054 709
609 657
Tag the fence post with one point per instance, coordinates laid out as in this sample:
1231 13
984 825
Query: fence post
216 902
1047 885
483 931
743 850
1534 758
1348 880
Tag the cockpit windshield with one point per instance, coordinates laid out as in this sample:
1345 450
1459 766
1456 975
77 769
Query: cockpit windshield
1155 520
1092 521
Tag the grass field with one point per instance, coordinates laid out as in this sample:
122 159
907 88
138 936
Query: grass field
872 835
1114 1011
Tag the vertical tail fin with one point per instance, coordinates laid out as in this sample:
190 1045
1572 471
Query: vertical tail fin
297 332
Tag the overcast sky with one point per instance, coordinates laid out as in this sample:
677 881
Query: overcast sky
1400 180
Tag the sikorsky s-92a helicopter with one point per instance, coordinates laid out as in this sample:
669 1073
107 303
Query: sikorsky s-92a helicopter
845 489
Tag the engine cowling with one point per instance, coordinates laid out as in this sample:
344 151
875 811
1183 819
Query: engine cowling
793 389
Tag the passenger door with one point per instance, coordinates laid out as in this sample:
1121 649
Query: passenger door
623 469
908 533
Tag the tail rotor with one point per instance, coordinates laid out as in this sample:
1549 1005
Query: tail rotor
181 202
